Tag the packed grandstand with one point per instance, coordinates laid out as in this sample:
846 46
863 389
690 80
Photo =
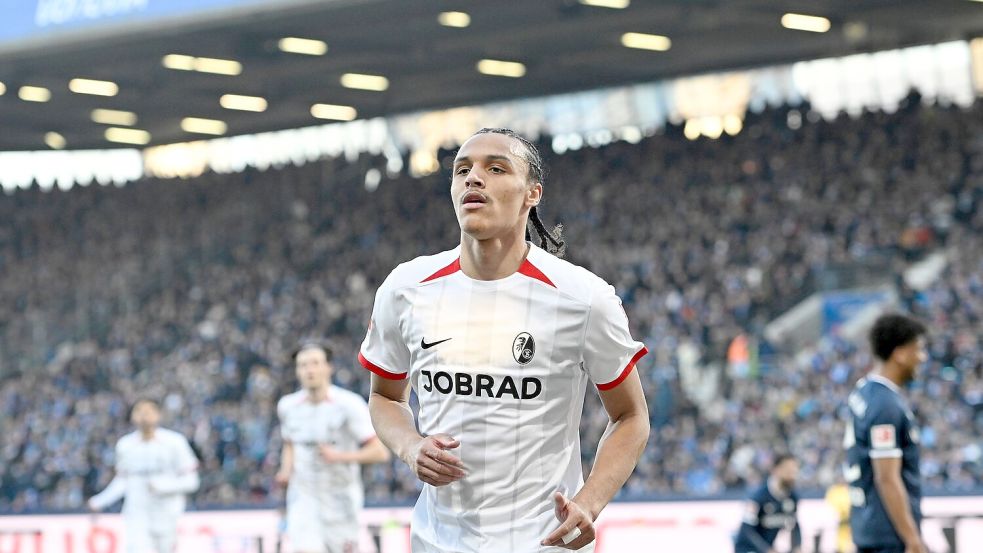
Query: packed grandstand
195 291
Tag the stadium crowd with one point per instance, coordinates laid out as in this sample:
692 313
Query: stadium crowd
195 292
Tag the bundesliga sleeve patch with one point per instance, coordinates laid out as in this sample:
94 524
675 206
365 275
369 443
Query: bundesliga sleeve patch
883 436
751 513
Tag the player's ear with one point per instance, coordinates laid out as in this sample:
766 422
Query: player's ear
534 194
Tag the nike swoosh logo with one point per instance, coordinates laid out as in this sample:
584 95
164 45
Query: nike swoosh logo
425 345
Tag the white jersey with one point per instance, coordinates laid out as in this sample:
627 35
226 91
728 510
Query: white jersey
502 366
342 422
153 475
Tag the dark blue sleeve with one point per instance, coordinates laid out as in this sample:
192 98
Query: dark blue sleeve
748 533
885 428
751 535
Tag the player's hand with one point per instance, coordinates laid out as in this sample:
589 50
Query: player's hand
577 524
282 478
332 455
432 463
917 547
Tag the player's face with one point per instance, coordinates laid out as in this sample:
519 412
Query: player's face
313 368
788 472
490 188
912 355
145 415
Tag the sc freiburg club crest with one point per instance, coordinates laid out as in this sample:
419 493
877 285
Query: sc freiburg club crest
523 348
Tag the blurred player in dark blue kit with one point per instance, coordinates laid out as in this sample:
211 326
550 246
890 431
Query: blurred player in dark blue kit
882 443
771 509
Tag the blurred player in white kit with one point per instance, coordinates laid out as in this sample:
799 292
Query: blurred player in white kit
327 434
155 470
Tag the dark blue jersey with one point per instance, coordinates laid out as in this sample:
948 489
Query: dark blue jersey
881 426
765 515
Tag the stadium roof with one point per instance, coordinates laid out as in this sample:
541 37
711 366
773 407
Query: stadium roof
563 45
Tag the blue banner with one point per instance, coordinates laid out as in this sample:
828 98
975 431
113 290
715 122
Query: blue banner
31 19
840 307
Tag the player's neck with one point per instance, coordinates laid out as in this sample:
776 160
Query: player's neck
892 373
318 394
147 434
775 485
494 258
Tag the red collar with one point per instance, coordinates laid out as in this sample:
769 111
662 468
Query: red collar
527 269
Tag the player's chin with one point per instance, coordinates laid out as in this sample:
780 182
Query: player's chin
475 226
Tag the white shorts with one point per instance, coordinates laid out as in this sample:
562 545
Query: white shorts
321 523
149 533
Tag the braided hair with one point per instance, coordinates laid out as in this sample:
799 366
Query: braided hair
549 240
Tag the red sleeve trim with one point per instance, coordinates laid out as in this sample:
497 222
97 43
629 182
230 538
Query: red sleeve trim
379 370
531 271
454 267
624 374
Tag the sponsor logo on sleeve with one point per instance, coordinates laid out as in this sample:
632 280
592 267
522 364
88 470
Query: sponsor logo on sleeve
751 513
883 436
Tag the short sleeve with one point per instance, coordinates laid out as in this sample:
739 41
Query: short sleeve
610 353
383 351
119 465
886 429
186 459
751 513
359 420
281 413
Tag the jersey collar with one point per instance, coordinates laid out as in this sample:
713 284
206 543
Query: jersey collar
885 382
775 490
527 269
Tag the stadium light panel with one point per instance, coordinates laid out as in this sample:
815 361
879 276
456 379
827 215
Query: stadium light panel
692 129
306 46
114 117
801 22
127 136
643 41
243 103
613 4
93 87
179 62
54 140
454 19
203 126
499 68
34 94
218 66
376 83
733 124
334 112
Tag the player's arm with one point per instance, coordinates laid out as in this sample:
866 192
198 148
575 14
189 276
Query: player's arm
372 451
393 421
184 479
111 494
621 445
796 536
751 535
359 425
286 470
286 463
617 454
894 497
116 488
